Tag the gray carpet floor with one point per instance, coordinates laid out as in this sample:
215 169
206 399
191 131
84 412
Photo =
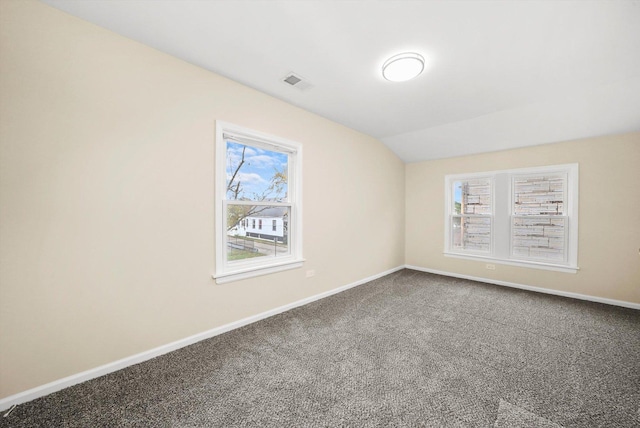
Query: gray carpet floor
409 349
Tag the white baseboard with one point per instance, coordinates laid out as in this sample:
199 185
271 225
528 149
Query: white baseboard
532 288
68 381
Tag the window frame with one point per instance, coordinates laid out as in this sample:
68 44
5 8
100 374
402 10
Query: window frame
226 271
503 189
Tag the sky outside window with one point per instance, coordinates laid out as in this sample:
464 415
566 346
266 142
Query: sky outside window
262 176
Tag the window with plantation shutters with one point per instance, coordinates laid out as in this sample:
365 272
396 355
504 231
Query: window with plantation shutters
525 217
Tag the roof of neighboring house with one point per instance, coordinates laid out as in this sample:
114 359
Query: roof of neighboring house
271 212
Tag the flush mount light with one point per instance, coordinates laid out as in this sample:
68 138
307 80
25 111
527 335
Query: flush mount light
404 66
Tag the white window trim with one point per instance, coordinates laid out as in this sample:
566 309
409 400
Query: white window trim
228 272
501 218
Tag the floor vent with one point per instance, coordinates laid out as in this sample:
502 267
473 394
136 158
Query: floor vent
297 81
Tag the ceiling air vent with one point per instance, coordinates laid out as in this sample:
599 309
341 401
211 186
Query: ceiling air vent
297 81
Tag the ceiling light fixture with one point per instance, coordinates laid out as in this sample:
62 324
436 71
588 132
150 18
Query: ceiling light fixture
404 66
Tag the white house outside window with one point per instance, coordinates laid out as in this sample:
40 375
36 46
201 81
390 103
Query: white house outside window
526 217
258 179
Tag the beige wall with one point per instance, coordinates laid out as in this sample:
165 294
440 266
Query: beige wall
609 216
106 198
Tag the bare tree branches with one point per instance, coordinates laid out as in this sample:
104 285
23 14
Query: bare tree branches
230 187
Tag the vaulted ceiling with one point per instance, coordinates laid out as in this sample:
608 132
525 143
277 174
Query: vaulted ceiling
499 74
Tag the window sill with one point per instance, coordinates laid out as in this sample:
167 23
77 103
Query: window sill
519 263
253 271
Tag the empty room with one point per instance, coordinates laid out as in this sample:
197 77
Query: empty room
319 213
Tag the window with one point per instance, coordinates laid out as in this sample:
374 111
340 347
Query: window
472 215
273 225
539 222
526 217
256 175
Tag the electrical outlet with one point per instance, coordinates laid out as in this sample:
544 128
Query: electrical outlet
311 273
491 267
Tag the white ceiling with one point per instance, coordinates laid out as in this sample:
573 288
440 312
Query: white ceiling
500 74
